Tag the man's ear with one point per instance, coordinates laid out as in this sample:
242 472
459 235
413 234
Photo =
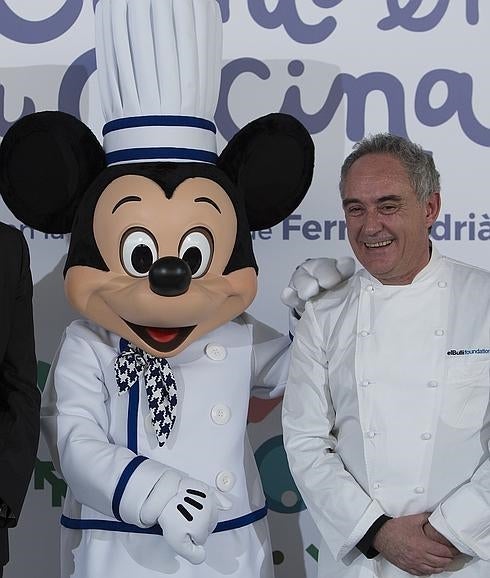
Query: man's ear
432 208
47 161
271 160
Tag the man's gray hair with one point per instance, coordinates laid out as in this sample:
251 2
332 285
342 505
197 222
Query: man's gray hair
419 164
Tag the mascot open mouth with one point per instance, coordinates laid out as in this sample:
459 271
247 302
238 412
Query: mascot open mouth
161 338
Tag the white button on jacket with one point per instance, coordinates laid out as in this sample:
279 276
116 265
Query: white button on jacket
225 481
215 352
220 414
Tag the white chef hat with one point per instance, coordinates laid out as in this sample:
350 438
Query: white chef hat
159 69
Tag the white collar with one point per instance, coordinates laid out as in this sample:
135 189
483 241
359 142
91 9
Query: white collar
423 275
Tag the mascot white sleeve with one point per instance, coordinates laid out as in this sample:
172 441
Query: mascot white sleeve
145 409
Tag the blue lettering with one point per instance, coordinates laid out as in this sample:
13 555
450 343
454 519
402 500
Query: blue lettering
458 227
225 9
472 11
288 226
342 230
30 235
403 16
484 230
18 29
229 74
223 4
311 230
357 91
263 234
445 226
459 100
468 230
286 14
329 225
28 108
74 80
446 229
471 227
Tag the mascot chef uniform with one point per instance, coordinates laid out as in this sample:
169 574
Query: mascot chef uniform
145 408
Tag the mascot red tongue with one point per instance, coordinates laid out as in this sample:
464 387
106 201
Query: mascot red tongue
145 407
162 335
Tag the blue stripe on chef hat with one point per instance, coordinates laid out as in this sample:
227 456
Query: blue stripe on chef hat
140 139
159 67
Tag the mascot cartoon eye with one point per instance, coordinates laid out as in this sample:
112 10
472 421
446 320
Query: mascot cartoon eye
138 252
196 249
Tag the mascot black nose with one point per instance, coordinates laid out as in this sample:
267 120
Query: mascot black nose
169 277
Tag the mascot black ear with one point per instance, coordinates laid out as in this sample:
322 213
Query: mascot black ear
47 161
271 160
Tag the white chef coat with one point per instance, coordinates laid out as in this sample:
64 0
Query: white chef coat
386 411
104 445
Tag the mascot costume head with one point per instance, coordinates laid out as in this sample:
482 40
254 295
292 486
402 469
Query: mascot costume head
160 261
160 249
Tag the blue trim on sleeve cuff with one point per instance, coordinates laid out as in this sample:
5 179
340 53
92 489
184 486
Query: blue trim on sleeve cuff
123 482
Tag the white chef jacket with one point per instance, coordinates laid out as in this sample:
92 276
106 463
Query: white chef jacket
386 411
104 445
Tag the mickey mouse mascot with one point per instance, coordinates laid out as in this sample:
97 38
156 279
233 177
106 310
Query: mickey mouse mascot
145 409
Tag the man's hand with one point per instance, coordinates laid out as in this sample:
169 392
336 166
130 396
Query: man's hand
433 534
403 542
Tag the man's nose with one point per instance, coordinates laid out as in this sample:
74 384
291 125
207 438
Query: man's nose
372 222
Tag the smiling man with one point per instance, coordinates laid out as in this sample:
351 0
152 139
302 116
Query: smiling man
386 431
387 221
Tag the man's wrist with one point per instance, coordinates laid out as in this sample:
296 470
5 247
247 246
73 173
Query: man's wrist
365 544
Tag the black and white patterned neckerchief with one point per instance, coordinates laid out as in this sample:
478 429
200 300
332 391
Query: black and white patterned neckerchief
160 385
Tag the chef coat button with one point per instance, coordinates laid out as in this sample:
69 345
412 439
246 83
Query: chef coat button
426 436
225 481
439 332
442 284
220 414
370 434
370 289
215 352
364 333
376 486
365 382
419 490
433 383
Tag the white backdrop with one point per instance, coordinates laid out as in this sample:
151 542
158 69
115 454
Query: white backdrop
345 68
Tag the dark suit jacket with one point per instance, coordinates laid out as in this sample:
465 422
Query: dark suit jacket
19 396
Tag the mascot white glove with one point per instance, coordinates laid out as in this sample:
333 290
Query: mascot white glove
314 276
186 510
189 518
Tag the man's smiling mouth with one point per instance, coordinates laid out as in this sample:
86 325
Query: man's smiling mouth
378 244
162 339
